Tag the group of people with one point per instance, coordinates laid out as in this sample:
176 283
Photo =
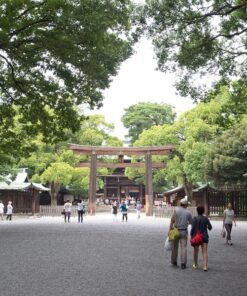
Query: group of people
124 210
9 212
182 217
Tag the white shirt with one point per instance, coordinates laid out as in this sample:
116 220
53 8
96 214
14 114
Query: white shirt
1 208
229 216
67 207
80 206
9 209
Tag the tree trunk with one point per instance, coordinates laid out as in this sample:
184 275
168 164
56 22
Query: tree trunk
55 188
188 188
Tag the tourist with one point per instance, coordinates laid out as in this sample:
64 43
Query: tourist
9 211
114 211
124 211
138 209
67 210
228 218
202 224
1 209
180 219
80 211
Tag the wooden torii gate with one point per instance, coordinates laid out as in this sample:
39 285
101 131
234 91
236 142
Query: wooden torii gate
94 151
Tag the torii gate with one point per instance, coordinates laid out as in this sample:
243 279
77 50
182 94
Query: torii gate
94 151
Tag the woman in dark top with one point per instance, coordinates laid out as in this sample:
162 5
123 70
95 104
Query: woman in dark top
202 224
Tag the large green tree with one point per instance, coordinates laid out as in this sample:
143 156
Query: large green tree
226 161
192 136
143 115
55 54
196 38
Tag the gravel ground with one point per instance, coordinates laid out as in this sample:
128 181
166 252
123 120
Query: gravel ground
45 256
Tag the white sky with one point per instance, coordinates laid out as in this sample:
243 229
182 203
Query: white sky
138 81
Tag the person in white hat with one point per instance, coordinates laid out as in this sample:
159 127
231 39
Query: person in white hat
181 218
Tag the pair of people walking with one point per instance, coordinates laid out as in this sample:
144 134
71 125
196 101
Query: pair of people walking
9 212
181 218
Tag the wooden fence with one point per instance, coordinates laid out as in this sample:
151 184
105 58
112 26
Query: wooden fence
166 212
55 211
218 200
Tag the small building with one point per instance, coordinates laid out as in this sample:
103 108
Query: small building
23 194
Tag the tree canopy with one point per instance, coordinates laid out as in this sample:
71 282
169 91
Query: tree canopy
197 38
143 115
55 54
193 134
226 161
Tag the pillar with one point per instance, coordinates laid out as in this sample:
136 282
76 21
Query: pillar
149 184
92 184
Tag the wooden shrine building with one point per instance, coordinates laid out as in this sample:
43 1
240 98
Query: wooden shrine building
147 152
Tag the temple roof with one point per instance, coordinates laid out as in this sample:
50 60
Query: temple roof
21 183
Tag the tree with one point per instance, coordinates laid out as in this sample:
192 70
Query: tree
55 54
143 115
196 38
192 134
58 174
226 161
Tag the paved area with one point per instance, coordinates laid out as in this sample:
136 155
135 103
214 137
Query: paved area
45 256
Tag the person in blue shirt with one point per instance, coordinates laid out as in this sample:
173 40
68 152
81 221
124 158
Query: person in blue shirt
124 211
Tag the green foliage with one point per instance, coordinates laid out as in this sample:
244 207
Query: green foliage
226 161
142 116
197 38
55 55
58 173
192 135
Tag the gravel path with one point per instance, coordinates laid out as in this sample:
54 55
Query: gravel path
45 256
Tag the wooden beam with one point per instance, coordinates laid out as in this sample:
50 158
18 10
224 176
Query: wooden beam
116 165
100 150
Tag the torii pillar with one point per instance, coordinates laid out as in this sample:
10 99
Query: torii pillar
149 184
92 185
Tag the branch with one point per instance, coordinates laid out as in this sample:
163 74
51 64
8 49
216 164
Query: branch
28 26
29 9
229 35
12 73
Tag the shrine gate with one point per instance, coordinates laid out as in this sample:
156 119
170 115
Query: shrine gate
95 151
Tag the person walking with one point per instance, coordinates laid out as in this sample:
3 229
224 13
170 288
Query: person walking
202 224
67 210
9 211
1 209
124 211
180 219
114 211
80 211
138 209
228 219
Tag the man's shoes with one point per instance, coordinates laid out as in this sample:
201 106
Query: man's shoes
183 266
205 268
195 266
175 263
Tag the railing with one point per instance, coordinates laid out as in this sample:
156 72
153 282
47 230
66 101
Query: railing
166 212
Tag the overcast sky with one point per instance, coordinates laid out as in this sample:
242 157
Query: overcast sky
138 81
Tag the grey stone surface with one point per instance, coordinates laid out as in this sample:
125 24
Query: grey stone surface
45 256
